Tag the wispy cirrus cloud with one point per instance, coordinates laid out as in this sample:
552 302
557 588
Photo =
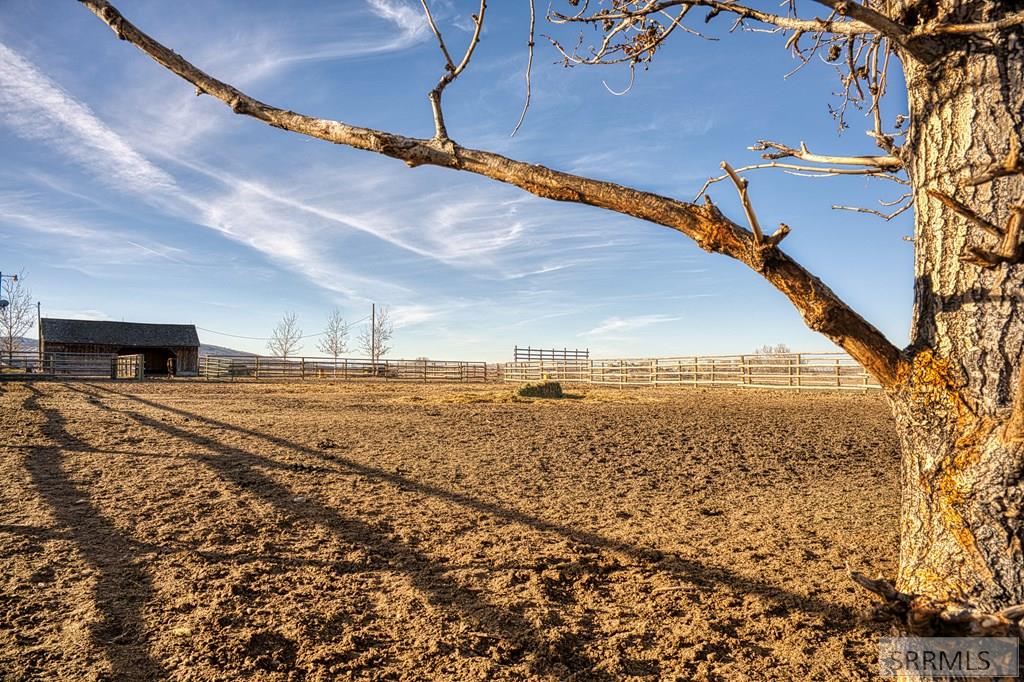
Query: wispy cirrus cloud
65 230
35 107
406 28
614 326
409 315
299 220
410 20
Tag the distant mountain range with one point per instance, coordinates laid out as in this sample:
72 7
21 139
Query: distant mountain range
30 344
25 343
220 351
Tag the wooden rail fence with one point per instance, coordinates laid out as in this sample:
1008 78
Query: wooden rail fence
796 371
346 369
32 365
531 354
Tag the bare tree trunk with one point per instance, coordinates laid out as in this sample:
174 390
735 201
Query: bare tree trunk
963 448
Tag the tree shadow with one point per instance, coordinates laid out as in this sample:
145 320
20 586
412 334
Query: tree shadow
683 569
516 636
123 587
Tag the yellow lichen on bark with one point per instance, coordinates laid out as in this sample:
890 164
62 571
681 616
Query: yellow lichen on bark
929 380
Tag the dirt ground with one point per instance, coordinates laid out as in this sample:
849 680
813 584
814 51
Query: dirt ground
218 531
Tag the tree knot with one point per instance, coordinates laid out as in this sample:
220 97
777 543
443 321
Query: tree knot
448 147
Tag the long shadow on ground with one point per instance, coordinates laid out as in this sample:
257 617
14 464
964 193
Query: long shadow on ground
518 637
123 587
692 571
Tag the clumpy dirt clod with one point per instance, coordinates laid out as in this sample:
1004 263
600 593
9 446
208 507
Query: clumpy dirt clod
217 531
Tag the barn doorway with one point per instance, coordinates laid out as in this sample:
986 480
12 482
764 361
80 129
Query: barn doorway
158 361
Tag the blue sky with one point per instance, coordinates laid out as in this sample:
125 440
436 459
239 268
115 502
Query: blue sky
125 196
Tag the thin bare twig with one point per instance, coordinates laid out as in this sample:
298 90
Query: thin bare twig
872 211
452 70
529 68
897 200
437 34
647 38
748 208
629 85
887 163
805 171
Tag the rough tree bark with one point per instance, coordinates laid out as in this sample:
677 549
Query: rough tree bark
958 401
957 392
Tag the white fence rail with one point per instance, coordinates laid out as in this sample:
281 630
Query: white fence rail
31 364
788 371
347 369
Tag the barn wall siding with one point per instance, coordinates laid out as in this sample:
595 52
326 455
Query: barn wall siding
187 356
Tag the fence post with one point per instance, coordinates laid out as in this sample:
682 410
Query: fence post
744 371
257 367
712 371
838 384
654 371
302 368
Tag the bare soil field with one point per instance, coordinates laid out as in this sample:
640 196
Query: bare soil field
217 531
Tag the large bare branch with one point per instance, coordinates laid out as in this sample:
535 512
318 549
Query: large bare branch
845 27
882 25
858 19
1009 21
819 306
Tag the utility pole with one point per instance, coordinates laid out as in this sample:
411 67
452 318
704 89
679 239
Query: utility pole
39 333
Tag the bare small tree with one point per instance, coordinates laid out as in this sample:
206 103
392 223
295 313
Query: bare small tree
17 316
775 359
777 349
285 339
335 339
375 339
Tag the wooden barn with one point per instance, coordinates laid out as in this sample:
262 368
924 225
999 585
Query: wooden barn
168 348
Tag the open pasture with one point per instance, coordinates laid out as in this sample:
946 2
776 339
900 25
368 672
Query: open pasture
217 531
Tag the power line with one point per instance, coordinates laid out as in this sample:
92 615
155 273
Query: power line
268 338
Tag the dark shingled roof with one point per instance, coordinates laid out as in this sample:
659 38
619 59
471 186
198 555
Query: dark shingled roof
118 333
